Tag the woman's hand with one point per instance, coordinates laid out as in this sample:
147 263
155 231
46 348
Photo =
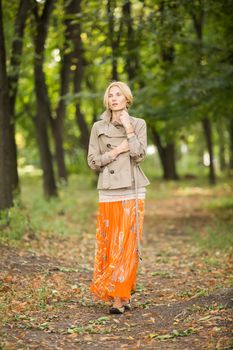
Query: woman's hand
123 147
124 118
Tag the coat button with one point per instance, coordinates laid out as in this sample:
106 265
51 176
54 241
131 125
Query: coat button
111 171
108 145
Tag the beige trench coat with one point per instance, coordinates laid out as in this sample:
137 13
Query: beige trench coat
118 172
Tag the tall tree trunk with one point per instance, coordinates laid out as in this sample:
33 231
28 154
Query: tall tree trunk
231 144
6 195
132 52
114 36
15 61
43 113
57 124
198 17
222 148
167 151
78 77
111 37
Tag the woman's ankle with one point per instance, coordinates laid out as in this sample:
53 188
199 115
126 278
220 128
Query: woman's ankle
118 302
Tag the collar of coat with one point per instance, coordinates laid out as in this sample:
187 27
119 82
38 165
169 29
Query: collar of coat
106 116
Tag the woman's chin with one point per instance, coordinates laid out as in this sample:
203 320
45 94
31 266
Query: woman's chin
117 109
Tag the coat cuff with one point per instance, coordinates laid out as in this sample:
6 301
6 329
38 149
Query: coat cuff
106 158
135 147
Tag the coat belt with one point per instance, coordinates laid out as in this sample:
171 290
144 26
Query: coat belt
137 220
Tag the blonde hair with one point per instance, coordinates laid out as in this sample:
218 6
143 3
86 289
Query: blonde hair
124 89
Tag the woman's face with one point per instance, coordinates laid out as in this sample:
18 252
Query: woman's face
116 100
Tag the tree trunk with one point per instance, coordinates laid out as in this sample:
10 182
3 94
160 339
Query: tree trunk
43 113
57 129
15 60
167 151
57 124
198 17
114 36
222 148
132 62
170 162
78 77
112 42
49 184
6 195
231 144
209 143
167 157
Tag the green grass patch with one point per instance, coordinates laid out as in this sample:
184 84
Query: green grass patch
223 203
217 236
14 223
72 212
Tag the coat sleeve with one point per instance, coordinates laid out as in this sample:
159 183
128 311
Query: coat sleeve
138 142
95 159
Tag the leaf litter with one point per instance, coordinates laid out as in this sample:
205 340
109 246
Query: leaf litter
183 294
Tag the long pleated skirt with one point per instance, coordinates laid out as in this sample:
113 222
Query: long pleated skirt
116 255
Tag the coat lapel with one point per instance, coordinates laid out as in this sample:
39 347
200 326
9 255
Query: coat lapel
109 129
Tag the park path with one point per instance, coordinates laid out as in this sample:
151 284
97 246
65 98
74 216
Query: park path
183 298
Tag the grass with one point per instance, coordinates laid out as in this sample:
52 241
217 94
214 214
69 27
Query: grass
71 213
218 235
222 203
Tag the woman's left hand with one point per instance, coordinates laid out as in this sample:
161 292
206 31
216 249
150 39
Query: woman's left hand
124 118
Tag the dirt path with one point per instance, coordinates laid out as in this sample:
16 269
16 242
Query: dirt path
183 298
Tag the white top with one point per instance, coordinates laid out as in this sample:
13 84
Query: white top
121 194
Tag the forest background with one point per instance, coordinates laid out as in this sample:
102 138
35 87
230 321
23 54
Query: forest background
57 57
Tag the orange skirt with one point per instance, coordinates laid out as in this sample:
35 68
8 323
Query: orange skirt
116 256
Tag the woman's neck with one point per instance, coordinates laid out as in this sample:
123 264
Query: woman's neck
116 116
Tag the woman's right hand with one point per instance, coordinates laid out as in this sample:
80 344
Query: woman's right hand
123 147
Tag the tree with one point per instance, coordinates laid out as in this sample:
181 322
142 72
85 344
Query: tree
78 63
15 61
197 13
43 111
114 36
6 189
57 123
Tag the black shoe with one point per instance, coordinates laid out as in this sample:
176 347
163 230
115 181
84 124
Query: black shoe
117 310
128 305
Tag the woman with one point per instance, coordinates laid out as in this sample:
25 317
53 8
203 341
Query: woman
117 145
